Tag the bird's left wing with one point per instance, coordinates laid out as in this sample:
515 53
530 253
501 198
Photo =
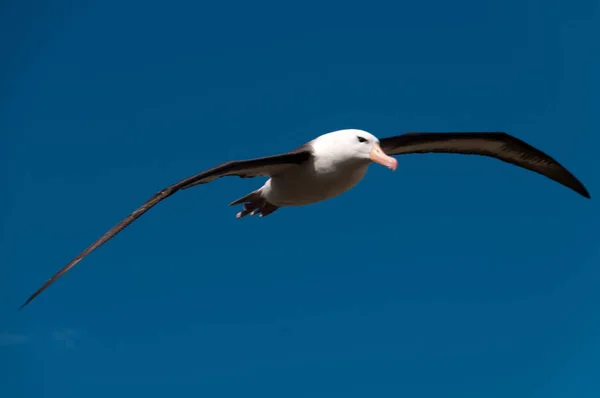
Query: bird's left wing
264 166
497 145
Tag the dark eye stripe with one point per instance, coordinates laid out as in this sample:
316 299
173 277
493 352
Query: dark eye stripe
361 139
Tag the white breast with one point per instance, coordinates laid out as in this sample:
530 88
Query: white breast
313 182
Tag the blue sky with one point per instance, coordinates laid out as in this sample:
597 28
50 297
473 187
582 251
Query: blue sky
452 277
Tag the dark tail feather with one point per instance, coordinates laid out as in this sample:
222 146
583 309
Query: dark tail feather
254 204
248 198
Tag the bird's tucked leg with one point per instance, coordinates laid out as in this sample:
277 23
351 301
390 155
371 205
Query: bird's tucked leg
254 204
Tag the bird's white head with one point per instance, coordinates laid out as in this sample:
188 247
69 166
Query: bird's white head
350 145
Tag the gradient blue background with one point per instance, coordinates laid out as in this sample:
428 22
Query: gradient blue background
453 277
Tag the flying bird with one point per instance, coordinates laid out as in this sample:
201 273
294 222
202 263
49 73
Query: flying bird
333 163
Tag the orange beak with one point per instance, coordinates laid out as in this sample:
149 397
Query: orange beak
378 156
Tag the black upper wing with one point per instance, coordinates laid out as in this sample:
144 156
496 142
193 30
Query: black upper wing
264 166
498 145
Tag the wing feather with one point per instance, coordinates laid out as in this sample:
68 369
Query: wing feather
244 168
497 145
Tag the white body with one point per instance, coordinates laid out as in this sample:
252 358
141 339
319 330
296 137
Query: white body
340 161
312 183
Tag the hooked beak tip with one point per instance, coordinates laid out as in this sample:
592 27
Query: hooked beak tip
378 156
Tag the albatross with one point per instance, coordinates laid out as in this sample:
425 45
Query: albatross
333 163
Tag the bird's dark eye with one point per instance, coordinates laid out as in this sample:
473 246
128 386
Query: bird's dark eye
361 139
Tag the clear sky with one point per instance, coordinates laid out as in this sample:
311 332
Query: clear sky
455 276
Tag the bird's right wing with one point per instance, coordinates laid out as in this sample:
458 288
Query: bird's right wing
264 166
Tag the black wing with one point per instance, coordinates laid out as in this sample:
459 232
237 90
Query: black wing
498 145
265 166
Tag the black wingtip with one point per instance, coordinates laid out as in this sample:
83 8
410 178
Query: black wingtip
25 303
580 189
585 193
576 185
34 295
